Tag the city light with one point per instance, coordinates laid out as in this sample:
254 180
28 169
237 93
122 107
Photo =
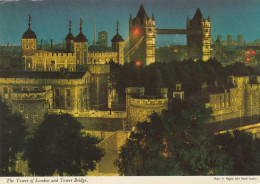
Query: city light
248 59
138 63
247 52
137 31
175 50
253 52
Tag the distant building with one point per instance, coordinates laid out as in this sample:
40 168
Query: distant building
102 39
74 58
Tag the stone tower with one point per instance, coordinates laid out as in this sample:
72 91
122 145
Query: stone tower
198 44
29 41
69 40
118 46
142 36
81 47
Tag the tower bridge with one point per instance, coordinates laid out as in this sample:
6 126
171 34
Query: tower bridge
142 33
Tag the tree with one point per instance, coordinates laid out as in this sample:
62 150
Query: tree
175 143
243 149
60 146
12 136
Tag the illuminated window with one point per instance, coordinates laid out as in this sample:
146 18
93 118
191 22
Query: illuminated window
21 107
26 116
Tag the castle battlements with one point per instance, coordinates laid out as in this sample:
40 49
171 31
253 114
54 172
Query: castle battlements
102 54
48 54
253 86
30 95
148 102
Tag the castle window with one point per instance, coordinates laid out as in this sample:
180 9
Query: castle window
27 46
67 97
57 97
21 107
35 118
85 91
50 69
5 90
71 69
34 46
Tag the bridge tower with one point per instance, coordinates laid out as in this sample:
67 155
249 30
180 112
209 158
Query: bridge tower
198 44
142 35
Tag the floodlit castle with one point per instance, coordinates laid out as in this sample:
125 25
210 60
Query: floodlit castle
74 58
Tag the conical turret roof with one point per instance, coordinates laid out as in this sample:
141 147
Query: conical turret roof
198 15
29 34
70 35
81 37
117 37
197 19
141 13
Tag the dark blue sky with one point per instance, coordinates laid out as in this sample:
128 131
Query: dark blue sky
50 17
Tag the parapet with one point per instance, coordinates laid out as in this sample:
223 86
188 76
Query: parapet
99 68
135 90
102 54
149 102
49 54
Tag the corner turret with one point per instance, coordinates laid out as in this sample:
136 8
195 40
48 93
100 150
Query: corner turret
29 40
118 46
81 47
69 39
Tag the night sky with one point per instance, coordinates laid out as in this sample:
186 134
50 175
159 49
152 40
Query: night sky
50 17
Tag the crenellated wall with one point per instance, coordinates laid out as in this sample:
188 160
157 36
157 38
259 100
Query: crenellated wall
139 108
241 100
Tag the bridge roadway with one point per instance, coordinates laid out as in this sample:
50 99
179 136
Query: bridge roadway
177 31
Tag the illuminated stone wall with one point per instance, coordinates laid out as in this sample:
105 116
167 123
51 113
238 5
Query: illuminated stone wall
138 109
241 100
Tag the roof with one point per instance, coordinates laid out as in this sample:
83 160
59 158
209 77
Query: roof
81 38
29 34
117 38
69 36
141 13
198 18
42 75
